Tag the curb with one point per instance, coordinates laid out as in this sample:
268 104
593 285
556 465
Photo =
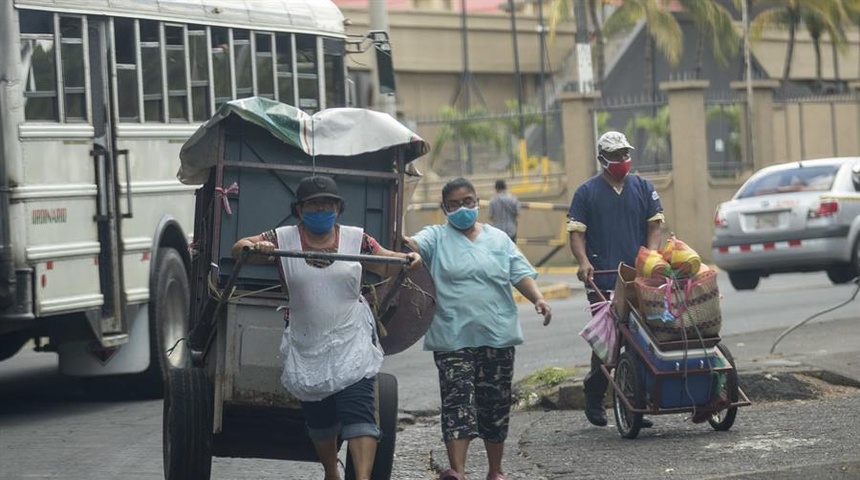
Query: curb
556 290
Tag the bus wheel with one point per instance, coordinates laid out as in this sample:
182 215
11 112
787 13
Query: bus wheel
168 320
11 343
187 427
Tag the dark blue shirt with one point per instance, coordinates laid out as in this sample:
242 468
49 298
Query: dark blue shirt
616 224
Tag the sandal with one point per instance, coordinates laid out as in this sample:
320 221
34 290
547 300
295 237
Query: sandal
451 474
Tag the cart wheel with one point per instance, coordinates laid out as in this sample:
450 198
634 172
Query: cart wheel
387 399
631 386
187 427
724 419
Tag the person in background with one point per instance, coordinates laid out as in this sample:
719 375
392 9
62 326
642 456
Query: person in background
611 215
504 209
331 357
475 327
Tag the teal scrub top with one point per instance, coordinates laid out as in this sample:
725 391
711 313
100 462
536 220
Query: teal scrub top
474 303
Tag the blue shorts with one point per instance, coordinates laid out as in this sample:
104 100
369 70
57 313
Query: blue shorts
350 412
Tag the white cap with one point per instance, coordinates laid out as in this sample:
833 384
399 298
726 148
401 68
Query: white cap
612 141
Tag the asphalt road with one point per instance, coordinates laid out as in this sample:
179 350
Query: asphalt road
53 427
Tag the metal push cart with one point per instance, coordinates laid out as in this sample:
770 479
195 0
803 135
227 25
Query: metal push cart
249 159
693 375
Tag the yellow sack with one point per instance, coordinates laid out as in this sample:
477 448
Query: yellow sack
651 264
683 259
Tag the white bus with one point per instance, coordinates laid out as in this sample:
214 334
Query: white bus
96 99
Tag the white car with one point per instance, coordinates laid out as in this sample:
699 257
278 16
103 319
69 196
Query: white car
792 217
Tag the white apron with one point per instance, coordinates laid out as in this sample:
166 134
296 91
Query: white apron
330 341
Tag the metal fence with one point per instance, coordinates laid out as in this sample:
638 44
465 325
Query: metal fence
644 120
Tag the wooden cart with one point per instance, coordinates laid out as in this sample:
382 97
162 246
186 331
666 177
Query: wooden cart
249 159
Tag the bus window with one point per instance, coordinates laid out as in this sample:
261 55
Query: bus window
125 49
153 86
198 53
285 76
306 63
242 63
221 66
74 72
264 65
177 87
335 71
38 60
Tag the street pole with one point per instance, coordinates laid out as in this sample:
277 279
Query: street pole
523 152
750 137
583 49
542 33
384 102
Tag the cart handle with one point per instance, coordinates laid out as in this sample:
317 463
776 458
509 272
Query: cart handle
334 256
594 287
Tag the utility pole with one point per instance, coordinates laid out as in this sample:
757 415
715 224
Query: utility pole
521 145
583 49
383 102
542 33
750 137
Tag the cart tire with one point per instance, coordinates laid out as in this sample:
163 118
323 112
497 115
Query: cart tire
187 427
631 385
168 321
387 402
724 419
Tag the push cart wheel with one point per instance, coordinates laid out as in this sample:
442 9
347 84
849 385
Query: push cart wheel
631 386
387 402
724 419
187 427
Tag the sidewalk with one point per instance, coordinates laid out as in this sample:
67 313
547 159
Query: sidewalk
561 444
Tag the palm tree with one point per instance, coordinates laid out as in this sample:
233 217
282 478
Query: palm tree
852 11
785 14
560 10
472 125
661 28
829 21
657 132
713 20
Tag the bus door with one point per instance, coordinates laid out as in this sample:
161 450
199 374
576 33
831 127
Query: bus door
112 324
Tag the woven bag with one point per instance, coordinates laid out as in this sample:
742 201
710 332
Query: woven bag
694 303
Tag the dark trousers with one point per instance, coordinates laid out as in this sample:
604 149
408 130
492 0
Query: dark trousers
595 383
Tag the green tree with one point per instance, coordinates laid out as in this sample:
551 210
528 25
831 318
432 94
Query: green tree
657 132
852 13
730 115
473 125
661 28
712 21
829 20
786 14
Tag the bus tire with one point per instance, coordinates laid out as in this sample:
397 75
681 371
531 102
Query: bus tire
187 427
11 343
169 301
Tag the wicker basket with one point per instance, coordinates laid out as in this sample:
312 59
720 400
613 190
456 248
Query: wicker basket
695 304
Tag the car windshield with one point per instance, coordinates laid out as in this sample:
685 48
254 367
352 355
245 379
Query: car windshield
800 179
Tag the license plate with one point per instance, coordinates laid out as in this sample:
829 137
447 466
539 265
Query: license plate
766 220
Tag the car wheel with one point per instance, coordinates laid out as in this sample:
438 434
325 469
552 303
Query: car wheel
841 274
744 280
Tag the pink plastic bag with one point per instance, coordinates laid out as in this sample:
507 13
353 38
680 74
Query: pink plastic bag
600 332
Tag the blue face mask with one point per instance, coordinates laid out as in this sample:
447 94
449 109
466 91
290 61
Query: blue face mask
319 222
463 218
